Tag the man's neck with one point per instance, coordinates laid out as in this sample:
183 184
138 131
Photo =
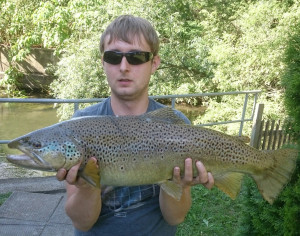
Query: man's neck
122 107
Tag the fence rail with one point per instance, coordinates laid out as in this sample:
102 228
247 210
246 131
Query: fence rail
173 98
268 134
273 136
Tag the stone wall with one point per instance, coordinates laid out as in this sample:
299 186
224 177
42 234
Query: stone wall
33 67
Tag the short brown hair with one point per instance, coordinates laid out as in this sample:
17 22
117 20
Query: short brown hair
127 27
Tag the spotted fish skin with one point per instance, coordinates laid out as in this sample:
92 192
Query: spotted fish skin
138 150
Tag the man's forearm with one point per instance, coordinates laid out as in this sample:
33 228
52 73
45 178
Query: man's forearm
83 206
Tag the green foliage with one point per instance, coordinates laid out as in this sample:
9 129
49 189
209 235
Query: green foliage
52 23
78 77
10 82
259 217
281 218
229 108
25 24
291 210
184 68
291 79
4 197
291 83
251 55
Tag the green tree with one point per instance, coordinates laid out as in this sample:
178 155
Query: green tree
291 83
26 24
282 218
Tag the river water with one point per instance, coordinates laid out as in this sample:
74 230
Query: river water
17 119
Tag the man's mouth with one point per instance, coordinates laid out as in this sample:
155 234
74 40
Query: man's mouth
125 81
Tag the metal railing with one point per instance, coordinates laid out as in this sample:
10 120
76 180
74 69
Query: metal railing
173 98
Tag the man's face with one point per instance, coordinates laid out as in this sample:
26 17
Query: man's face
125 80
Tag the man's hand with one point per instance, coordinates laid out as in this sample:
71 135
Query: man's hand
71 176
175 211
205 178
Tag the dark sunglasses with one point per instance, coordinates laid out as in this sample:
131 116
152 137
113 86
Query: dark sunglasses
133 58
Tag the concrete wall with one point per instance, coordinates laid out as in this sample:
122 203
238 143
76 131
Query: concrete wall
33 67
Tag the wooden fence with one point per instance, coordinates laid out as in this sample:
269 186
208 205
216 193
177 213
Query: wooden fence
268 135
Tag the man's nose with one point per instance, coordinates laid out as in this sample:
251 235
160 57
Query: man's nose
124 65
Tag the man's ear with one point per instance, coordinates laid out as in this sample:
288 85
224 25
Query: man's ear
155 63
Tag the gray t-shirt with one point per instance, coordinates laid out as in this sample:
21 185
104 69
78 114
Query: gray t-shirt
134 210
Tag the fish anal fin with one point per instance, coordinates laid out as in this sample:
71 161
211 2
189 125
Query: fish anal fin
171 188
272 180
230 183
90 173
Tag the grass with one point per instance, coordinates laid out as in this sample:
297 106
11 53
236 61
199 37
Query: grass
4 197
212 213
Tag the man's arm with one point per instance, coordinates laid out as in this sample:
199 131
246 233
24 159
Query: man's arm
174 211
83 203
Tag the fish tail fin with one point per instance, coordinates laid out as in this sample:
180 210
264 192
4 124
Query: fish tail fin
270 182
90 173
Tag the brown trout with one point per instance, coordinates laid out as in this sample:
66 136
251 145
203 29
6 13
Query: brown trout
140 150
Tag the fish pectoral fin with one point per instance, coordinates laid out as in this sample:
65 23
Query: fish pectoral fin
230 183
171 188
90 173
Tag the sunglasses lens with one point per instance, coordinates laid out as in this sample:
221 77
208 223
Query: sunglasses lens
112 57
137 58
133 58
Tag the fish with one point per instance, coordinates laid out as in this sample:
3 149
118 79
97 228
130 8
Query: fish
144 149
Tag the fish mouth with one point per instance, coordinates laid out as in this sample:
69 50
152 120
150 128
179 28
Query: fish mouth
13 144
29 159
27 162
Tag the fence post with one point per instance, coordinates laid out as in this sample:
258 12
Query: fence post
256 125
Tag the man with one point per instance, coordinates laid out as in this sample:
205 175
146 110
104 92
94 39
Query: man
129 48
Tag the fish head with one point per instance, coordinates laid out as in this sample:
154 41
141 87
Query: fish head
46 149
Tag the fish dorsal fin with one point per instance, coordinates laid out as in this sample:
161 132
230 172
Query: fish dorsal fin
229 183
164 115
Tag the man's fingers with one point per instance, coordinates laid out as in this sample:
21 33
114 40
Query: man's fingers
176 175
72 174
61 174
202 173
210 183
188 171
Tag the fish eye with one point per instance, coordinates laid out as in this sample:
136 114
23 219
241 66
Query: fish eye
36 144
